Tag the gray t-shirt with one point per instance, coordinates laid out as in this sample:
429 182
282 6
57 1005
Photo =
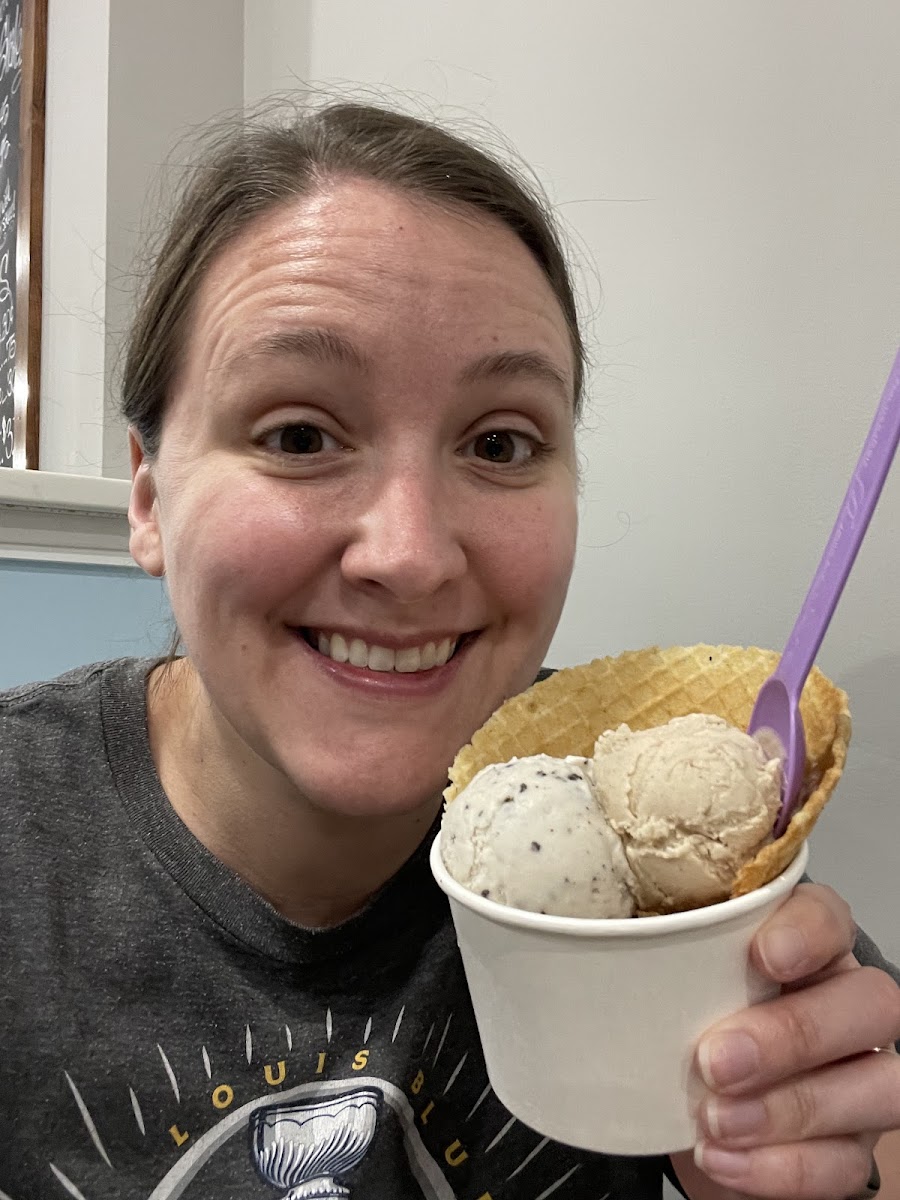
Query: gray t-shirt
165 1033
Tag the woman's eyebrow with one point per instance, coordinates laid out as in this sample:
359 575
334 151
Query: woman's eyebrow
324 346
518 364
328 347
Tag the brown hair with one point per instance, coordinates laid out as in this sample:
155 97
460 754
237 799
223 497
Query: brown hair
261 163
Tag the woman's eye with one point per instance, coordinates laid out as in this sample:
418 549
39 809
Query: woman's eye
300 439
503 446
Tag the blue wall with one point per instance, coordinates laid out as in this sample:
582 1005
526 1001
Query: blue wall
54 617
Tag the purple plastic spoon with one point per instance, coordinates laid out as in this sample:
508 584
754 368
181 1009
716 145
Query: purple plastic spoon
777 708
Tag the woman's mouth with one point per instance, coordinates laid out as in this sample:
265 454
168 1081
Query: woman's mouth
407 660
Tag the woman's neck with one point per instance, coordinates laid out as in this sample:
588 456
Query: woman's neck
317 868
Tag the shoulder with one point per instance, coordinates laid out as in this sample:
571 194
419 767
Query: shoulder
56 778
24 696
37 706
55 721
71 683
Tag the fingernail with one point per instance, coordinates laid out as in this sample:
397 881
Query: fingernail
728 1166
783 950
727 1058
733 1118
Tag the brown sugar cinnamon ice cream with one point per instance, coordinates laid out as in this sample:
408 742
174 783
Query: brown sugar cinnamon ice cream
693 801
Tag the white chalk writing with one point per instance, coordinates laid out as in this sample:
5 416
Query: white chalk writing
11 45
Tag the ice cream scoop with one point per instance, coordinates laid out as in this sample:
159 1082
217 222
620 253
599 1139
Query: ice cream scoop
693 800
529 833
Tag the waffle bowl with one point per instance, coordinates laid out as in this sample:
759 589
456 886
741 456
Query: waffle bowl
566 713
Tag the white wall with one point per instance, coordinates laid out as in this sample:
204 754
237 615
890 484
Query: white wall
275 42
125 80
731 177
172 66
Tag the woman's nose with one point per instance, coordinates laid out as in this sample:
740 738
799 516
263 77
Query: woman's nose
406 540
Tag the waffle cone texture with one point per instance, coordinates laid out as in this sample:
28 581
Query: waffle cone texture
566 713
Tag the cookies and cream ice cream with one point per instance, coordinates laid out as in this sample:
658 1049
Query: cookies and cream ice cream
529 833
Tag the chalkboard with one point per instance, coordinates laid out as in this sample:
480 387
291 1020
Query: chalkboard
23 53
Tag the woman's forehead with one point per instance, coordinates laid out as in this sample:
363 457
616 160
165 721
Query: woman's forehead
376 262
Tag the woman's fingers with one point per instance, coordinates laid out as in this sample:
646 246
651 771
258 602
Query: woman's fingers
797 1098
812 929
828 1170
844 1015
858 1096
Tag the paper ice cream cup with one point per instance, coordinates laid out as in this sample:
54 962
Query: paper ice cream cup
589 1026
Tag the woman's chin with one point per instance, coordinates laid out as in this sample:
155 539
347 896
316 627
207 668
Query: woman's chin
370 795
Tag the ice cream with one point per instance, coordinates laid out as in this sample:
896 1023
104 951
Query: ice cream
660 820
529 833
643 689
693 800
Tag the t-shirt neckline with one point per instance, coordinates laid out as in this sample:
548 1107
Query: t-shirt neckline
408 905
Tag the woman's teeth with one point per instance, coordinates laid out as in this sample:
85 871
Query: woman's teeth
378 658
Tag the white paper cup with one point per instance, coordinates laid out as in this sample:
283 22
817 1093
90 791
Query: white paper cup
589 1026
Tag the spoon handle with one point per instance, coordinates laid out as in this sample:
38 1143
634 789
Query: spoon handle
846 538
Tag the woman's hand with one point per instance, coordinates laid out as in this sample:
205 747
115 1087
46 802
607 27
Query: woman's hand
795 1097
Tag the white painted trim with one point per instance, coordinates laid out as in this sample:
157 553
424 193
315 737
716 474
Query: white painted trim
73 330
49 517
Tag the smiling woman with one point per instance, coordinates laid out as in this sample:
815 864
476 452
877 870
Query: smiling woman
349 481
352 389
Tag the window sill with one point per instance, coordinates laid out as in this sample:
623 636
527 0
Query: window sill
46 517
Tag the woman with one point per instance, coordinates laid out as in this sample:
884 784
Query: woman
352 389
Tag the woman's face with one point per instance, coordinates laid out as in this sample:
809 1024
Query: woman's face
368 451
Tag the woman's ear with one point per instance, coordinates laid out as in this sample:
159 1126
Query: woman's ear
145 542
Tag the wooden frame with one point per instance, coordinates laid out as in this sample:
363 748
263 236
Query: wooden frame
23 53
